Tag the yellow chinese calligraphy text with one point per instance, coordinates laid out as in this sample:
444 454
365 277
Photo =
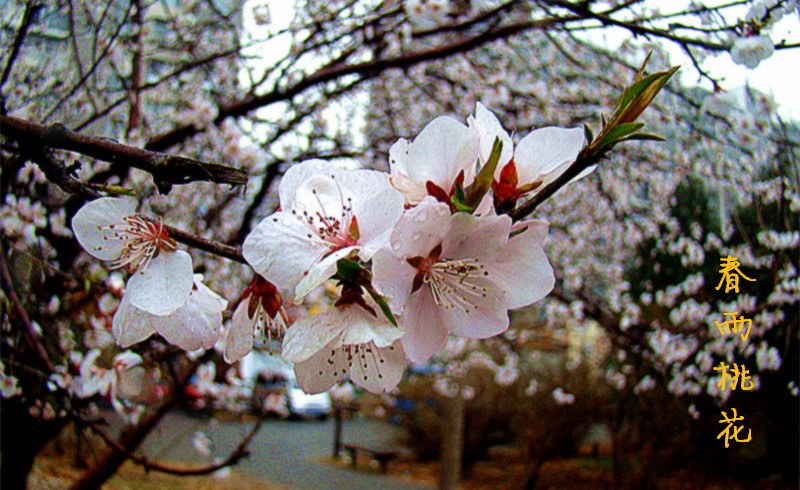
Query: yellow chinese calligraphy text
729 268
736 430
735 379
734 325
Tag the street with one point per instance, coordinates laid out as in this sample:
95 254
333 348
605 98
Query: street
291 453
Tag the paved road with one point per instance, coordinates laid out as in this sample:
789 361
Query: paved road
285 452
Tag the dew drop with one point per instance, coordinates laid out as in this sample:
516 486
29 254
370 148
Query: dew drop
396 245
441 211
416 236
422 216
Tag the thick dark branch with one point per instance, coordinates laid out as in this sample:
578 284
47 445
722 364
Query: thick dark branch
166 169
367 69
27 19
59 174
237 454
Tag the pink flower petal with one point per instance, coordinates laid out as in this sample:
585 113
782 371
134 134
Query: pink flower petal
524 271
488 127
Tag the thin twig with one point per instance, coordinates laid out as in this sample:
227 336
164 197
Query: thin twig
367 70
205 244
27 19
28 330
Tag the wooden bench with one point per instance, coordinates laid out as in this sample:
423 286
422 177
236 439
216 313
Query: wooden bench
382 456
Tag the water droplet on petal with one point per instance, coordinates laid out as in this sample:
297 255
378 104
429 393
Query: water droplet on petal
396 245
441 210
416 236
422 216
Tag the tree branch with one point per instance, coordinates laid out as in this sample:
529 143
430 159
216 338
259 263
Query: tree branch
132 436
27 19
238 453
580 164
28 330
586 13
166 169
204 244
367 69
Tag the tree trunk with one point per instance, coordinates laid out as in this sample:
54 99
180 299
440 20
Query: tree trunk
21 439
452 445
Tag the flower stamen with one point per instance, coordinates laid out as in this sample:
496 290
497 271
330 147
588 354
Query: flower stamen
143 240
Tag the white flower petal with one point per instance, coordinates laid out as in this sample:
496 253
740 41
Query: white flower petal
321 371
319 272
393 277
91 221
308 333
488 127
376 215
441 151
476 237
321 196
190 327
361 184
486 316
362 346
398 157
364 328
378 369
413 192
208 300
130 324
420 229
544 150
239 341
373 368
280 249
164 285
299 173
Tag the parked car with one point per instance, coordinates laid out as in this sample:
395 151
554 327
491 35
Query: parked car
301 404
275 389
